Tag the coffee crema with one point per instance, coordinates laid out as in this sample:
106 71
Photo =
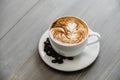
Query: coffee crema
69 30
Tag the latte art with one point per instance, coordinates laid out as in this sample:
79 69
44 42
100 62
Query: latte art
69 30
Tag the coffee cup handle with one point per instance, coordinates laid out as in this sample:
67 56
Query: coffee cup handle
95 34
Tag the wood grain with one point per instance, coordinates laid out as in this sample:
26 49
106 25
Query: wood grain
11 12
19 57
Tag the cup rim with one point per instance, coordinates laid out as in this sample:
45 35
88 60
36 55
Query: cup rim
65 44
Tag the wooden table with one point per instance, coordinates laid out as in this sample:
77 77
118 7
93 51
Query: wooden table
22 23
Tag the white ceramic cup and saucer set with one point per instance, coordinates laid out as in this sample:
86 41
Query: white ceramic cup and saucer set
84 52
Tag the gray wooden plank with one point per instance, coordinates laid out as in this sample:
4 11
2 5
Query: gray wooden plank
11 12
115 72
112 72
34 69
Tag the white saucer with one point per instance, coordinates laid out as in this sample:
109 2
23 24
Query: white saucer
79 62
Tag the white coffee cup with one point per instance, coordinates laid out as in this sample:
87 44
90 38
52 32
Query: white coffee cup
69 50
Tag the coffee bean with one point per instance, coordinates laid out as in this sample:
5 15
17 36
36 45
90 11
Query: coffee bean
47 39
51 52
59 58
49 46
63 57
60 61
46 43
70 58
54 54
48 53
45 49
54 61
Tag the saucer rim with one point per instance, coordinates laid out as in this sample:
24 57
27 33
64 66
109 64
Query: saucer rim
66 70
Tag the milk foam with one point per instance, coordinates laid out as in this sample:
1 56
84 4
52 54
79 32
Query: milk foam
72 27
68 30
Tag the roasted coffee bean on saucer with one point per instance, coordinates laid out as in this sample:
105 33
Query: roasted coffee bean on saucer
54 61
60 61
52 53
70 58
